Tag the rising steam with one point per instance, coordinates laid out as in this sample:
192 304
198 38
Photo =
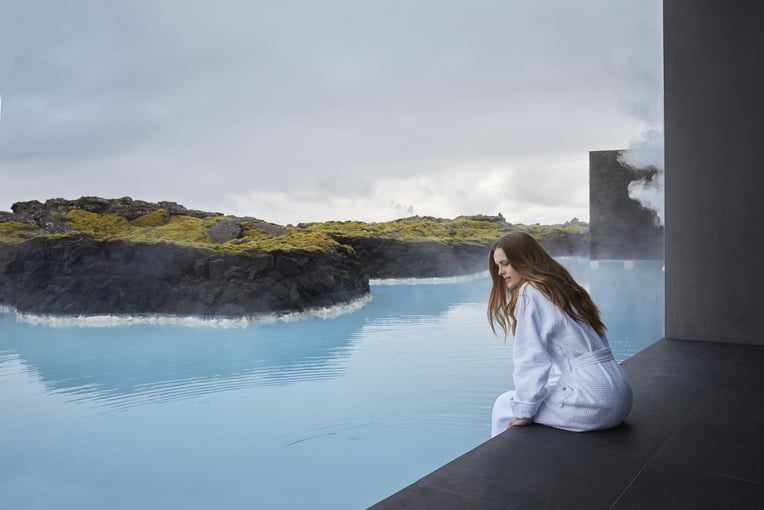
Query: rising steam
643 153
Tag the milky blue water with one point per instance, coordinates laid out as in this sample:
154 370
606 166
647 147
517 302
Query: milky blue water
316 413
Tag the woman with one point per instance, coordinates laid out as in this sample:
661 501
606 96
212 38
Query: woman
556 325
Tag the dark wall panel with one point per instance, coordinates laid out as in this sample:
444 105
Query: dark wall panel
714 141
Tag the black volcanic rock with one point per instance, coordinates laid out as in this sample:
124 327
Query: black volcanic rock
79 275
388 258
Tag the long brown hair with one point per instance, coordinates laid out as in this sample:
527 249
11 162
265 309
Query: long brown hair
529 259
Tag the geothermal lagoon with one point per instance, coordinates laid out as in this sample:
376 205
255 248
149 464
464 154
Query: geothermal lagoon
332 411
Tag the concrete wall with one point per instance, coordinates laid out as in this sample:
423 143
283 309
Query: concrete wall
714 136
620 227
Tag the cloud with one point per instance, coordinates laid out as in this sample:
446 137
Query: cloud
449 193
323 107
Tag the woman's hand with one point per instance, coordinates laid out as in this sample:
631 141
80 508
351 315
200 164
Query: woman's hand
519 422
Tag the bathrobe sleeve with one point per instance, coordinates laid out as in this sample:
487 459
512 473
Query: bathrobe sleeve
532 363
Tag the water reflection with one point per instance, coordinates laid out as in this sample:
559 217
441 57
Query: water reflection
125 366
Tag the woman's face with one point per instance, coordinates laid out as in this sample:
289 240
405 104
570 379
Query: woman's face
511 277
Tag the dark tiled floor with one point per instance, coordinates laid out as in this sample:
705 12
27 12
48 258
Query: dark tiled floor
695 439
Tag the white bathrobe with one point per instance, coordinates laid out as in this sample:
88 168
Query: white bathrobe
592 391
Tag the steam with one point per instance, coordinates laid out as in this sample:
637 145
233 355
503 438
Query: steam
644 153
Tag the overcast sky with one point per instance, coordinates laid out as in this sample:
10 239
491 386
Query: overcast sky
295 111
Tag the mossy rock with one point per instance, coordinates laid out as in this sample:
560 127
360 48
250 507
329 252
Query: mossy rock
184 230
413 228
153 219
100 226
125 219
13 232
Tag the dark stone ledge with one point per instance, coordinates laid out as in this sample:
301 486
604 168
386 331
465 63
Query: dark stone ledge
693 440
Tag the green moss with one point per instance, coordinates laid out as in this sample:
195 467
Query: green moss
159 226
153 227
211 220
538 230
414 228
294 239
13 232
99 226
184 230
252 234
153 219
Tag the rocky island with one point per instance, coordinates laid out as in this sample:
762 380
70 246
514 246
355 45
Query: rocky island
93 256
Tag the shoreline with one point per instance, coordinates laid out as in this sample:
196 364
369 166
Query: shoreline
121 320
434 280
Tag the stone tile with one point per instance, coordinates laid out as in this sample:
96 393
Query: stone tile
523 469
732 406
718 447
666 397
639 436
750 355
423 497
673 354
669 485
